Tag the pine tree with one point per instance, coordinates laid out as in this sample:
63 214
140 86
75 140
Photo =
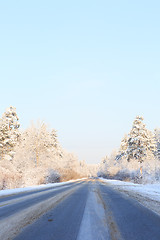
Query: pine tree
157 141
9 125
4 138
124 143
140 143
123 147
138 140
55 144
151 143
11 118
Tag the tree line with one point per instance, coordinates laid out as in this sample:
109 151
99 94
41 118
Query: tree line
138 157
34 155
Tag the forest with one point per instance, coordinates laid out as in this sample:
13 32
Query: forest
34 156
138 157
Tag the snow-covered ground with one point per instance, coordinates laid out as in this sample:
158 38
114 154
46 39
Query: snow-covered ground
8 192
146 194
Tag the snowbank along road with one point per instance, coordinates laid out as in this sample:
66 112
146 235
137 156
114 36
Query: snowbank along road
84 210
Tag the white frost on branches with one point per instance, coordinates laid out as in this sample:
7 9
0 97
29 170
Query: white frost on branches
138 156
37 156
140 141
9 133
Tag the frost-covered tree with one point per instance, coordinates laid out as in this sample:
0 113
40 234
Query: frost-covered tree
152 148
123 148
4 138
83 169
11 118
124 144
109 165
102 167
36 146
157 141
139 142
9 133
137 150
38 140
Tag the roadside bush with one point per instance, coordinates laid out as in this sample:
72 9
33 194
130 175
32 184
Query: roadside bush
52 176
9 178
69 175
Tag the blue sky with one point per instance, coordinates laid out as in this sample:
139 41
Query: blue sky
86 68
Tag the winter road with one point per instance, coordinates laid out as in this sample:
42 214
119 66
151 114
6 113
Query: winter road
88 210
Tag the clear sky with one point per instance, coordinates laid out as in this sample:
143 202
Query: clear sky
86 68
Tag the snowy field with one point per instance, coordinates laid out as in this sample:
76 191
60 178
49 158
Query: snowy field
146 194
8 192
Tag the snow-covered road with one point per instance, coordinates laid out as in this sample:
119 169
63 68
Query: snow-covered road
85 210
20 207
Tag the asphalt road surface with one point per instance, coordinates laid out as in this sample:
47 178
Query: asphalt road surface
129 219
62 222
19 202
92 211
